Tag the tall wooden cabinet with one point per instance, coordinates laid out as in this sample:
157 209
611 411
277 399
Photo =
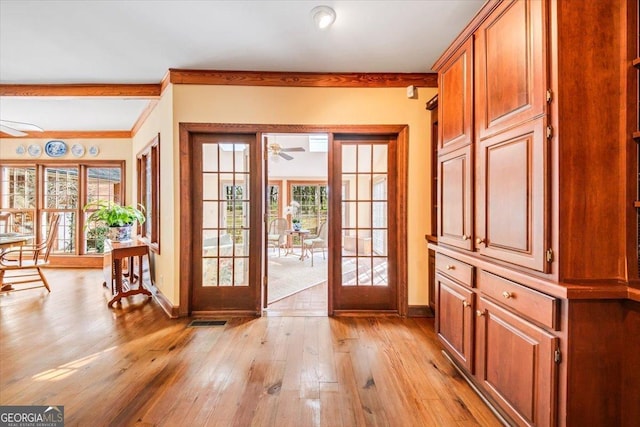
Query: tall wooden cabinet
537 290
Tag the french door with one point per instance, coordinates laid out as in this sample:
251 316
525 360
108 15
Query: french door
225 219
364 220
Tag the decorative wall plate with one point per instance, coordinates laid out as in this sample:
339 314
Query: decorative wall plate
34 150
77 150
93 150
55 148
20 150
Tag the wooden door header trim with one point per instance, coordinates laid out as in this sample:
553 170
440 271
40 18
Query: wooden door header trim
302 79
252 128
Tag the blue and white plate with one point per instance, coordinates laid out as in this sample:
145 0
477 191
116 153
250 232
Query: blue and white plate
93 150
34 150
20 150
55 148
77 150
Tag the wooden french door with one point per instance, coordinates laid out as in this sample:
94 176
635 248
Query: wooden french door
364 233
226 225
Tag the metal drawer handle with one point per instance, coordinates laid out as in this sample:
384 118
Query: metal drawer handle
465 237
465 304
481 313
451 267
507 295
479 241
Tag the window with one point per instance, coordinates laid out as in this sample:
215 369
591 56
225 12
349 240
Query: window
274 210
148 168
313 199
31 192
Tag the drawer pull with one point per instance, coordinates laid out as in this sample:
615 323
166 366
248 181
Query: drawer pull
465 304
451 267
481 313
465 237
479 241
507 295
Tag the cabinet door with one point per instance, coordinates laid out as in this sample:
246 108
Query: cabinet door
511 80
455 198
455 104
454 319
515 365
511 196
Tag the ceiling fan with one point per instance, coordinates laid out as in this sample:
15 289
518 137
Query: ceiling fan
278 150
18 128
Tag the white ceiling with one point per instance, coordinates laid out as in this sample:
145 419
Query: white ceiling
137 41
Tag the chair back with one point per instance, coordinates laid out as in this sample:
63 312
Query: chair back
278 226
52 232
4 222
322 231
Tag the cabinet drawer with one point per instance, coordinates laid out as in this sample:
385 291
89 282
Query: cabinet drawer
455 269
535 305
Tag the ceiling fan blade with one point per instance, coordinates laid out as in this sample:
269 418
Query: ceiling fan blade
285 156
21 126
11 131
292 149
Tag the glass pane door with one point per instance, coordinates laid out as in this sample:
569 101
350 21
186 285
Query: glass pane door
224 215
366 268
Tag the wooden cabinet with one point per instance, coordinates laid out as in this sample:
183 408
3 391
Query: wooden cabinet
538 199
511 78
455 219
517 364
455 305
511 196
455 100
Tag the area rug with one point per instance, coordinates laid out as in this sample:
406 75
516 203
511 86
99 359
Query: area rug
288 275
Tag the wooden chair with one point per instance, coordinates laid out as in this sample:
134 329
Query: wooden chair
277 233
23 264
4 222
318 242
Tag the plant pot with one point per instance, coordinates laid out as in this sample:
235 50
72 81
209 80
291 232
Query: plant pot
297 226
120 234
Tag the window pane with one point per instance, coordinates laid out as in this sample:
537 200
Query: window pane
61 188
380 158
348 158
364 158
104 184
18 187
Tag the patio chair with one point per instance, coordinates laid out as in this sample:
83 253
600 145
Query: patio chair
277 233
318 242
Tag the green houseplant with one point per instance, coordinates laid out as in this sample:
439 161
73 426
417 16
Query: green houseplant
119 219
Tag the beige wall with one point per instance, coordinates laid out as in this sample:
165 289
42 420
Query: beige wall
166 264
319 106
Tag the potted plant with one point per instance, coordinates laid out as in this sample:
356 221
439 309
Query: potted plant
118 218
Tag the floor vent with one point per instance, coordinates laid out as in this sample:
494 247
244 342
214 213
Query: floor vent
202 322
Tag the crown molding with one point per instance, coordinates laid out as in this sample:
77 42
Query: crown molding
73 134
146 91
301 79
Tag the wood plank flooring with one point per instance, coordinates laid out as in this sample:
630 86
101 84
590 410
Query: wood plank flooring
134 366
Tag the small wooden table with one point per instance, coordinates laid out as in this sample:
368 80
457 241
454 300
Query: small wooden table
301 234
114 253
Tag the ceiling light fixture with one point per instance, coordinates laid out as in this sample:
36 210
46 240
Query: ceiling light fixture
323 16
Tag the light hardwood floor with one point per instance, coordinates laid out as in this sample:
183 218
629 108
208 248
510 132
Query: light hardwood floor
134 366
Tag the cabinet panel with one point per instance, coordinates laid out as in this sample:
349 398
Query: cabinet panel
511 76
516 365
511 198
455 99
455 198
539 307
457 270
454 319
